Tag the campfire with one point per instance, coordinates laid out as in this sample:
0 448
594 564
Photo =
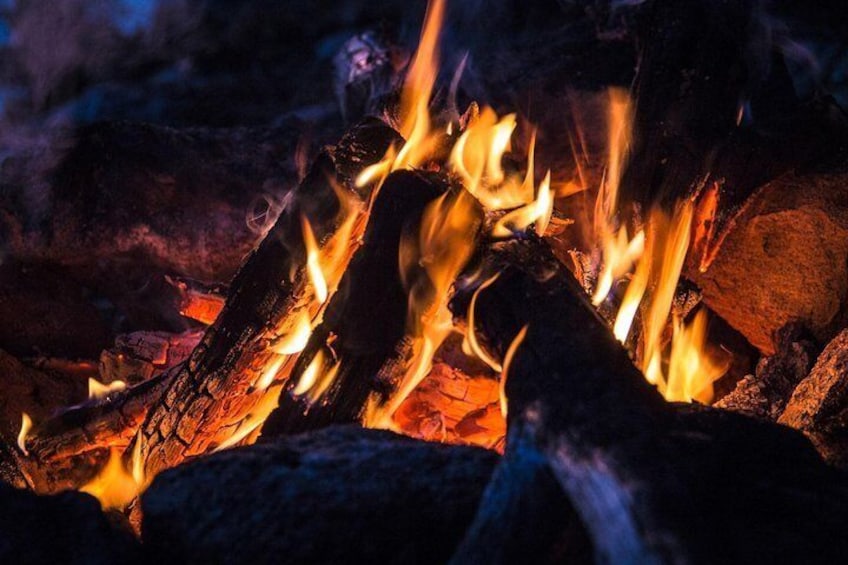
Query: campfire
499 303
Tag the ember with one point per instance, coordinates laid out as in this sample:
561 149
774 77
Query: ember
536 287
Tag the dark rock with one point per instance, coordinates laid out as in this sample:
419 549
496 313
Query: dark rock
65 528
342 494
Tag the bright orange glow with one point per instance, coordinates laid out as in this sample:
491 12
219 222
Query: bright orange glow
539 212
98 390
692 372
26 426
510 354
115 486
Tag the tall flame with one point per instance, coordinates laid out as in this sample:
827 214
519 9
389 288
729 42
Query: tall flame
26 426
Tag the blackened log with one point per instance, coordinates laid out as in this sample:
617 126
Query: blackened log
367 317
215 390
341 494
651 481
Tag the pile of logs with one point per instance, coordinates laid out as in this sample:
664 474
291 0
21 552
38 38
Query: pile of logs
583 461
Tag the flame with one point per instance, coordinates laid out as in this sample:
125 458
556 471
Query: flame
469 342
539 212
97 390
313 265
414 114
115 486
510 354
26 426
619 251
691 373
296 339
442 247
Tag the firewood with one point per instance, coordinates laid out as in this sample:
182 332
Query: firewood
215 389
338 495
198 301
366 319
784 260
137 356
764 394
819 405
649 479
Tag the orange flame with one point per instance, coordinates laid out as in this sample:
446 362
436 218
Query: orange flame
510 354
313 266
469 342
116 486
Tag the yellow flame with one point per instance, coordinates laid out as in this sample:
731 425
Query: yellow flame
510 354
442 247
414 114
691 372
26 426
539 212
310 375
470 345
313 265
114 486
97 390
619 251
270 372
296 339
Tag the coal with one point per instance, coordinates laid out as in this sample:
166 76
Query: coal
342 494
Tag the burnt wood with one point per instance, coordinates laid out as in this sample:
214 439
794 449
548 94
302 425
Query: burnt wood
366 320
213 392
651 481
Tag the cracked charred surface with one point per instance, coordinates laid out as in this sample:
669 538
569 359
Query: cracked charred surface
213 392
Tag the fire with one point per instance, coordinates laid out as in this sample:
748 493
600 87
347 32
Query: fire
115 485
469 343
295 340
510 354
26 426
97 390
414 123
313 267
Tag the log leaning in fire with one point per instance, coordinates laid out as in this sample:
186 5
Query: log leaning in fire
649 480
215 390
365 322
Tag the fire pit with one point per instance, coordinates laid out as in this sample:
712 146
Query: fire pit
555 283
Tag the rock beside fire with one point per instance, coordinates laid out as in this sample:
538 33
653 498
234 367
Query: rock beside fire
66 528
342 494
819 405
786 260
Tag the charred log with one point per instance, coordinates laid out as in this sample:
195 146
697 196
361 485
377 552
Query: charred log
305 499
214 391
648 479
365 323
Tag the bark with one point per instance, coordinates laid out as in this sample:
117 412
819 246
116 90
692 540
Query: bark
366 321
214 391
649 480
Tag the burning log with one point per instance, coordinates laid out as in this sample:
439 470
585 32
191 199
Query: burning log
306 498
366 321
138 356
648 479
818 405
215 390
